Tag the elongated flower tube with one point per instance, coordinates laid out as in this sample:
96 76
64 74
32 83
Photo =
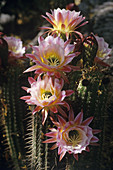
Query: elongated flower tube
64 21
103 52
46 94
72 136
52 56
15 47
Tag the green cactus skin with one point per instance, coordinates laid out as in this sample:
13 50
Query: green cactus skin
36 151
13 128
31 141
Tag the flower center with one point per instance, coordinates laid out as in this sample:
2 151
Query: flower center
100 54
74 137
53 60
46 95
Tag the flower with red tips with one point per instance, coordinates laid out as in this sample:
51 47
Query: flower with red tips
64 21
52 56
46 94
72 136
103 51
15 47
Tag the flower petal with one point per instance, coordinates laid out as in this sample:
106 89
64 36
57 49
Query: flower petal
79 118
96 131
52 140
44 116
54 146
75 156
94 139
62 155
61 121
87 121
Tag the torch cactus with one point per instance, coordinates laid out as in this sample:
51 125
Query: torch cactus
68 79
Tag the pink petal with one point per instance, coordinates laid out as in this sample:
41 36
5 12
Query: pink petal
62 112
60 18
31 56
66 43
65 104
31 80
59 150
31 68
48 28
75 156
61 120
94 139
75 68
57 74
54 146
37 109
97 60
95 131
79 118
87 121
54 109
51 134
25 88
52 140
95 144
40 39
69 92
44 116
49 21
54 122
71 115
63 27
66 68
62 155
50 16
87 149
25 97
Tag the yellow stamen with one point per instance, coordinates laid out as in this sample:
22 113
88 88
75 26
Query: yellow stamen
46 95
53 60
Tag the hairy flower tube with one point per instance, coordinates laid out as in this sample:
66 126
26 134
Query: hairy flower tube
52 56
103 51
72 136
64 21
46 94
15 47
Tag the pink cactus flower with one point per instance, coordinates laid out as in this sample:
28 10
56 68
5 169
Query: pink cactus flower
46 94
103 52
52 56
15 47
64 21
72 136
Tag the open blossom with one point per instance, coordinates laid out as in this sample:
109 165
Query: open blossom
72 136
103 51
46 94
64 21
15 47
52 56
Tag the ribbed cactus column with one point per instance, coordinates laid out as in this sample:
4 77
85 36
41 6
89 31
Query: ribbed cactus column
36 151
12 114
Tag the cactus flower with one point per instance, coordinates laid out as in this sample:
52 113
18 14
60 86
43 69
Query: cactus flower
72 136
46 94
64 21
15 47
52 56
103 51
